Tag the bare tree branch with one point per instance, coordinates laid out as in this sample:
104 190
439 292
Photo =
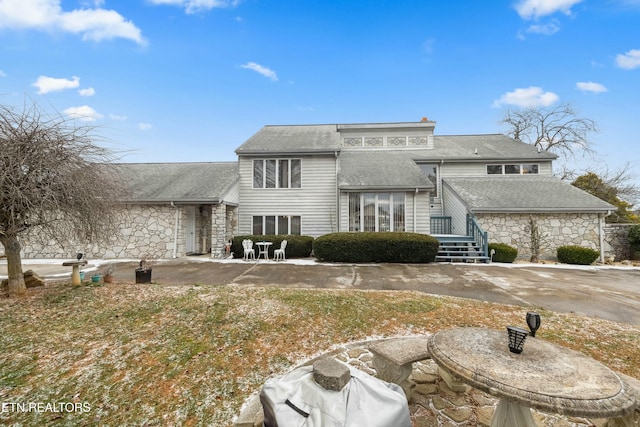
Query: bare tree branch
54 178
557 130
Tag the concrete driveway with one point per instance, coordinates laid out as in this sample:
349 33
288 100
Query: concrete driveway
611 293
604 292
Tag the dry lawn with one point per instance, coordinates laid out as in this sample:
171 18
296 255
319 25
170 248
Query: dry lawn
190 355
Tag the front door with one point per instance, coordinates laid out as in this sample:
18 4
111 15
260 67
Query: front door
190 229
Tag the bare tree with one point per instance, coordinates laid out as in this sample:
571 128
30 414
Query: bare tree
557 130
55 180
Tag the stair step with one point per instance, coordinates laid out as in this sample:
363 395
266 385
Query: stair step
463 258
461 254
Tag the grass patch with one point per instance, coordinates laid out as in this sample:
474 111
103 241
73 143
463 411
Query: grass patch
191 355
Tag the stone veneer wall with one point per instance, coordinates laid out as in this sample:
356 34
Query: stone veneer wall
218 230
556 229
616 241
144 230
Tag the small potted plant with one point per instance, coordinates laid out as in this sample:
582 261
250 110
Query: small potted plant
143 272
107 273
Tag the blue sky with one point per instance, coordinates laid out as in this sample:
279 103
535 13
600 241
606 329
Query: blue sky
191 80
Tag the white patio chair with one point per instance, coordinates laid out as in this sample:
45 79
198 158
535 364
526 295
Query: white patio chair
279 253
249 252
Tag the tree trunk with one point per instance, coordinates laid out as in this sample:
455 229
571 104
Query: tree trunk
14 265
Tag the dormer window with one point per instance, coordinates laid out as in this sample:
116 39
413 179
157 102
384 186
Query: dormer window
513 169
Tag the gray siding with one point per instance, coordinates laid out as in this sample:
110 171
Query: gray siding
232 196
423 219
315 202
455 208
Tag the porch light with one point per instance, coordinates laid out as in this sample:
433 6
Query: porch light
533 320
516 339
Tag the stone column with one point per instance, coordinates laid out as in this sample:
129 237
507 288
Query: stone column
218 230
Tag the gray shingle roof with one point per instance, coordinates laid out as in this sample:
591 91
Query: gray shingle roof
490 146
178 182
526 193
295 139
375 169
292 140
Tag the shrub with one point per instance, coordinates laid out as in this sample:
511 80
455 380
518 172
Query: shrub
504 252
577 255
376 247
297 246
634 237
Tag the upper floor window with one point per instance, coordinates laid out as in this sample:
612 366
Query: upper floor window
512 169
277 173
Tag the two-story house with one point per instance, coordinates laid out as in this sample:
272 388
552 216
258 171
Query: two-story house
316 179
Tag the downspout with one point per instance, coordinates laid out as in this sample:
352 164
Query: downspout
443 210
175 231
337 194
601 218
415 211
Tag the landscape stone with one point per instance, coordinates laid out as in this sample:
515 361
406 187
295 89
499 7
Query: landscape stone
32 280
331 374
458 414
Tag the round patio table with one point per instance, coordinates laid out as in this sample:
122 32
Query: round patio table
263 248
544 376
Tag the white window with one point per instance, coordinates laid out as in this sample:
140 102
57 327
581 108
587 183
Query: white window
376 212
276 224
512 169
277 173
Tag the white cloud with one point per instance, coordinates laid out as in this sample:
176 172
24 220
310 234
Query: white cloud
84 113
3 74
144 126
87 92
591 87
532 96
268 73
117 117
47 15
195 6
629 60
533 9
50 84
545 29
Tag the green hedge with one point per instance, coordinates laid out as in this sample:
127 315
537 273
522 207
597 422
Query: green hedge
634 238
504 252
297 246
577 255
376 247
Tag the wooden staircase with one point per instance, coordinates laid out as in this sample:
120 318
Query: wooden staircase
460 249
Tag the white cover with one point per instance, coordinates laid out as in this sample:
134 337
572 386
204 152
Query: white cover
295 399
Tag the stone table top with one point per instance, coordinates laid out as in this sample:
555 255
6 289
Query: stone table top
544 376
